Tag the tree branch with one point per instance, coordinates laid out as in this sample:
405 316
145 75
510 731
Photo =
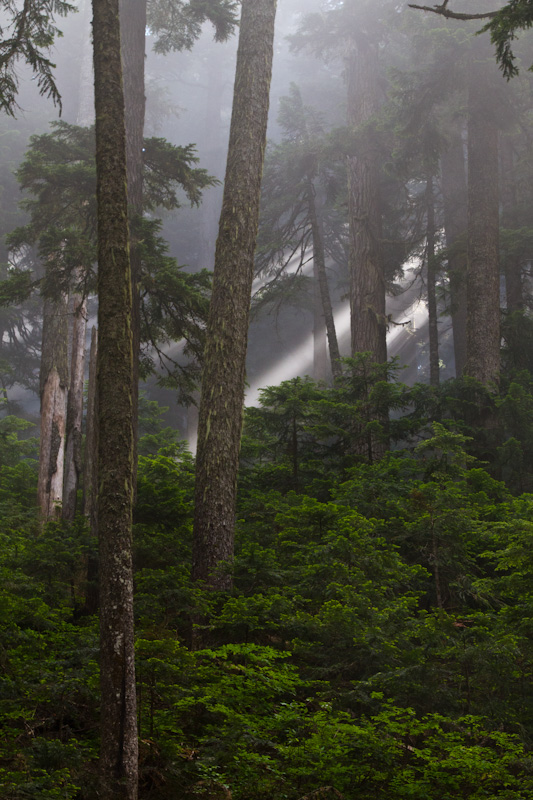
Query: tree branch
444 11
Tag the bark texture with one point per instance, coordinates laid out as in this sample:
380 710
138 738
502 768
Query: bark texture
221 404
73 460
454 191
119 752
319 267
90 478
367 282
514 289
53 391
483 328
433 326
73 449
133 39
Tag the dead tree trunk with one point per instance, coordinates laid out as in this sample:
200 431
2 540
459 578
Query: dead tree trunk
73 449
53 390
73 465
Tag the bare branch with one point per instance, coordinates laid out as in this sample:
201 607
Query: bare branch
444 11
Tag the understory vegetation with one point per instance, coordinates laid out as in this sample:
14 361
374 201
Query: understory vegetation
378 642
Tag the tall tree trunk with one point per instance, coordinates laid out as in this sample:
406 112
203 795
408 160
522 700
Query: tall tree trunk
454 191
119 750
222 398
434 376
133 41
319 265
53 390
73 463
90 479
73 450
367 281
513 267
483 328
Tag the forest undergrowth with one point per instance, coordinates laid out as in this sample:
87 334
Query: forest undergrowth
377 643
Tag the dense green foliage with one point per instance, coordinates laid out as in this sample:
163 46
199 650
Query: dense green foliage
378 639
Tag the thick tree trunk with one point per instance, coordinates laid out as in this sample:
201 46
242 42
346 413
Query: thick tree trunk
73 464
513 268
222 398
454 192
133 36
367 282
119 750
483 329
53 390
434 376
319 264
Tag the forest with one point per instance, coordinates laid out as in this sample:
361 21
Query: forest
266 400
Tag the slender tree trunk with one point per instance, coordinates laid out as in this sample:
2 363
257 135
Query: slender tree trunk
513 267
86 89
454 192
119 750
215 144
133 38
367 282
483 330
73 464
73 450
431 287
222 398
53 390
319 264
90 479
320 341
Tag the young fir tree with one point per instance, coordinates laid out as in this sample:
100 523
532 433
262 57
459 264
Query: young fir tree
27 34
222 398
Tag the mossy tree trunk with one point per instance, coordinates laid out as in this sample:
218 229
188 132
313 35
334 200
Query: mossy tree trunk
119 753
221 404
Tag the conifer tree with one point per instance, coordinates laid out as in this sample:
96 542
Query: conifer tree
292 219
222 397
118 723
